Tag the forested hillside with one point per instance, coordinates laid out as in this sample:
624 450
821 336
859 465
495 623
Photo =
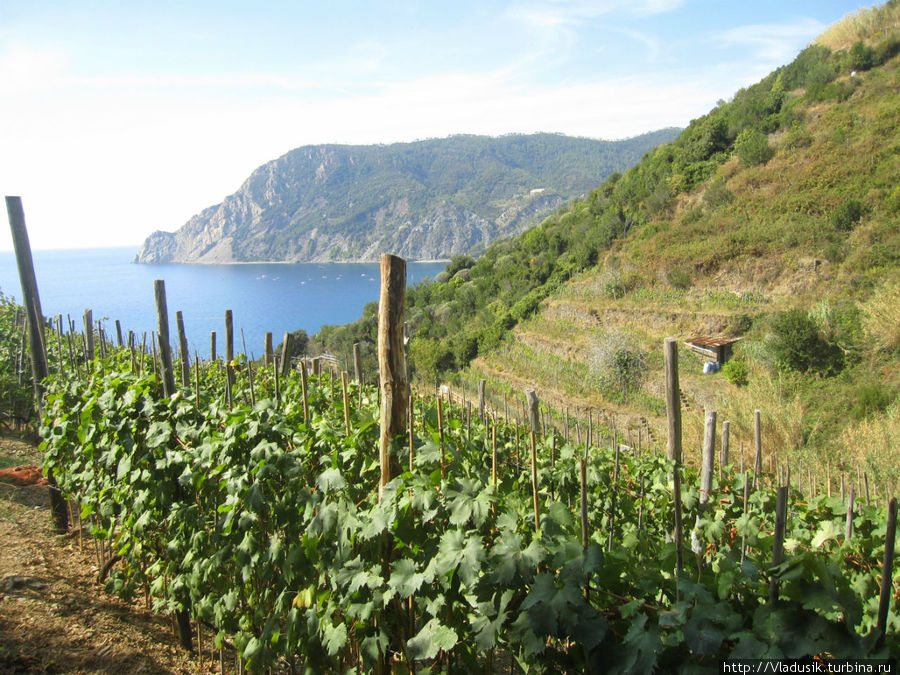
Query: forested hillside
773 218
422 200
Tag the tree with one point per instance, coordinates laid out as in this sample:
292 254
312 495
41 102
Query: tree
752 147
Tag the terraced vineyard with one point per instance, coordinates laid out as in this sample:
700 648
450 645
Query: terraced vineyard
262 522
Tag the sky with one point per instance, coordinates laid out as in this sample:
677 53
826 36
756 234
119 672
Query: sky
118 117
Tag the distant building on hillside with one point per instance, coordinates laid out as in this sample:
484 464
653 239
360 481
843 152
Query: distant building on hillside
717 349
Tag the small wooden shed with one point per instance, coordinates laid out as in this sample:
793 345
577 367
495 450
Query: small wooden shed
717 349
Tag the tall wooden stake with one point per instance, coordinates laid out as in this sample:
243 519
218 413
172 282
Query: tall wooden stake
267 346
34 318
162 336
887 570
89 334
183 348
392 362
673 400
183 617
709 457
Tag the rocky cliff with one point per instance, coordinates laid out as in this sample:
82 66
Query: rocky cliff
424 200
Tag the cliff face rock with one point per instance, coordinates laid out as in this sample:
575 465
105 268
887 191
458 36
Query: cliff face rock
423 200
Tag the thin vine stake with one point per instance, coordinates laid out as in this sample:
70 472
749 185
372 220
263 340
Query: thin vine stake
275 377
778 544
584 522
440 413
534 483
303 386
746 505
412 433
344 377
848 526
494 455
229 358
183 348
197 380
757 441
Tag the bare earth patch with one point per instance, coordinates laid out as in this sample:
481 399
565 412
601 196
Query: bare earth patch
54 614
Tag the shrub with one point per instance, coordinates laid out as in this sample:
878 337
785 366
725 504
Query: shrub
717 194
679 277
619 366
845 216
861 56
797 345
871 398
736 372
752 147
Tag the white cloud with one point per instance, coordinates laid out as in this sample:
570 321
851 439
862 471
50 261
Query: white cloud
773 43
24 69
568 12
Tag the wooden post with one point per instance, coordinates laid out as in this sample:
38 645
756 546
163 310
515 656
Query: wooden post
212 346
162 336
267 346
887 570
34 319
287 347
304 391
183 617
778 544
673 401
534 415
709 457
119 341
89 334
183 348
392 362
481 385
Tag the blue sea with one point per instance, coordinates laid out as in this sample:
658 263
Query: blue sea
262 296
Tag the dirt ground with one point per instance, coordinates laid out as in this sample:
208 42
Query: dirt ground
54 615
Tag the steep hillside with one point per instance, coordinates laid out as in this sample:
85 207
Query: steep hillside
424 200
774 219
790 242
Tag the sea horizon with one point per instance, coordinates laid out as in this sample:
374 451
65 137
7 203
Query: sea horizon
263 297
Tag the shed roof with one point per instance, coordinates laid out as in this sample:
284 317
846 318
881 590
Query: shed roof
703 341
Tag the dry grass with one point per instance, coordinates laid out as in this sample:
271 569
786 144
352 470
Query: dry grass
781 418
866 23
874 445
880 317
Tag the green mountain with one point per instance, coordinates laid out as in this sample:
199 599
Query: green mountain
424 200
775 219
